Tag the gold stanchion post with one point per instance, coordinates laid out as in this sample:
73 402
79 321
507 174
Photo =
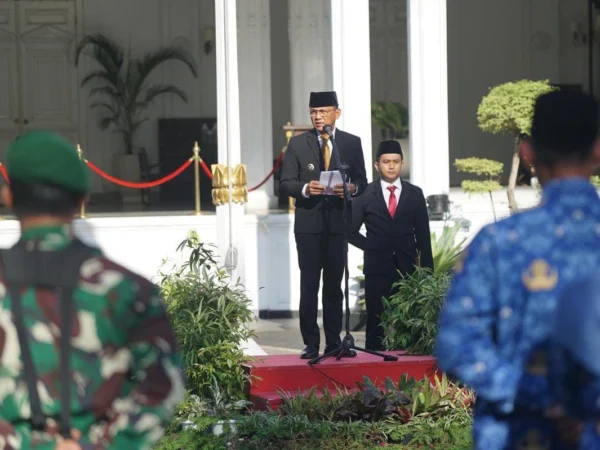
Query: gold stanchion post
197 176
82 211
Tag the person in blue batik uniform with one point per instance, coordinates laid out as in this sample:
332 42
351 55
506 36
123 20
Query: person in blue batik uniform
575 356
495 324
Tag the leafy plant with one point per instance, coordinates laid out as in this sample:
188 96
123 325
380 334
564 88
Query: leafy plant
125 85
371 404
191 440
210 317
410 316
508 108
391 118
483 167
310 404
434 399
446 250
403 415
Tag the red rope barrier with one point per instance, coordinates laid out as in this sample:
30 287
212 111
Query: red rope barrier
275 167
4 174
206 170
146 185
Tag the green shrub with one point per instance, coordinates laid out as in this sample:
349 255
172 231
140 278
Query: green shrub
191 440
411 314
210 317
446 250
406 414
391 118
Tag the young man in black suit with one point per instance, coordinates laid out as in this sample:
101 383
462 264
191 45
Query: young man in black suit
395 215
318 225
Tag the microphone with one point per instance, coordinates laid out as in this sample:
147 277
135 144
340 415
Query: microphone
328 129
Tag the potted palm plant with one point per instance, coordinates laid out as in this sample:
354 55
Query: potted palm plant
392 119
121 89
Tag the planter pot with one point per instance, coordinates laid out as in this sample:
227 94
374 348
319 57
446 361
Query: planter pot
223 426
188 425
216 429
127 168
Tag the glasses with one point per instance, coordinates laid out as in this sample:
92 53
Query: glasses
320 112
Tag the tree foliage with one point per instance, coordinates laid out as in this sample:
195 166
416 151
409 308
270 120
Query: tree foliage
488 168
508 108
391 118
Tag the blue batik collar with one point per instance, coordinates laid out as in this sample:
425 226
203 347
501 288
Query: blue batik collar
573 186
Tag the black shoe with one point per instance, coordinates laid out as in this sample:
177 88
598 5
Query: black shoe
375 347
309 353
345 354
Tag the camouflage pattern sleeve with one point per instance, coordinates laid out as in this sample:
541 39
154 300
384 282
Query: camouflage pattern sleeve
138 419
465 345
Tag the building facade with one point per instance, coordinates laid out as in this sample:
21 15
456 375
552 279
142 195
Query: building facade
258 60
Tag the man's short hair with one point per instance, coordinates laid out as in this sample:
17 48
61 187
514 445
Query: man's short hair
564 127
43 199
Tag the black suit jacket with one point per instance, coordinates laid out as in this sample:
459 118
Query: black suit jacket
303 162
391 244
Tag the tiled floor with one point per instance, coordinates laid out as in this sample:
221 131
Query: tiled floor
282 337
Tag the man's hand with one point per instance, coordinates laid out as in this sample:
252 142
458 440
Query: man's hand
69 444
338 189
315 188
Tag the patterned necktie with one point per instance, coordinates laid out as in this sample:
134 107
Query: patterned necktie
326 151
392 201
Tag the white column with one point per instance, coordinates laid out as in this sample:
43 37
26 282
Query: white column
310 53
351 61
230 218
254 45
428 95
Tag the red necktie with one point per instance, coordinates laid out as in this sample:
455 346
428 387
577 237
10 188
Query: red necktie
392 202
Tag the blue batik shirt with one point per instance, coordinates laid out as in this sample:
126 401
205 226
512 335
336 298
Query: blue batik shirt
575 356
494 327
578 393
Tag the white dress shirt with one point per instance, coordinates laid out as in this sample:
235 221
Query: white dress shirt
330 145
387 193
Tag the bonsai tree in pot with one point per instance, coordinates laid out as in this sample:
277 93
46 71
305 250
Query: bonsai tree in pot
121 85
508 108
490 169
392 119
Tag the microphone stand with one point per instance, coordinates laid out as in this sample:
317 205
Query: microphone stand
348 341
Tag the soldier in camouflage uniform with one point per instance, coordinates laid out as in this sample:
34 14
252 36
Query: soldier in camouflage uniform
124 368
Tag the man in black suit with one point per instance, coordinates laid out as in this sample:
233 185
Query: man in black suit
319 225
395 215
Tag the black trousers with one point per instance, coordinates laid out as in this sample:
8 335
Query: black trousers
376 287
321 253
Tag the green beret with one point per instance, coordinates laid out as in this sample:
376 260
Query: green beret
41 157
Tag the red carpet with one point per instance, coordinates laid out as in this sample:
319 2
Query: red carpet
290 374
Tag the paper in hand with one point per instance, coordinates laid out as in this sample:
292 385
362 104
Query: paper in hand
329 180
